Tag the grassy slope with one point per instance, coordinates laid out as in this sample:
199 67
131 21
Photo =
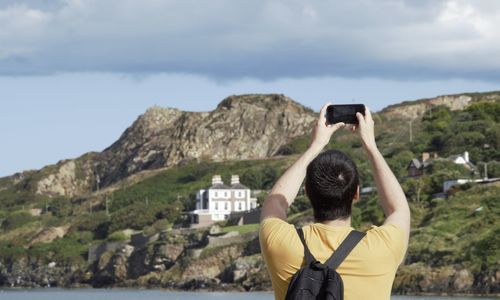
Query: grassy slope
453 232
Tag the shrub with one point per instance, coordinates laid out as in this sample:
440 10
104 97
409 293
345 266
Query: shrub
97 223
300 204
83 237
65 250
60 207
118 236
17 219
139 215
9 251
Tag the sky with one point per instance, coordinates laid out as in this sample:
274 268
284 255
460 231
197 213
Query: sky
74 74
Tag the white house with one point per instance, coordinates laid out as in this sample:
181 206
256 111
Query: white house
218 201
462 159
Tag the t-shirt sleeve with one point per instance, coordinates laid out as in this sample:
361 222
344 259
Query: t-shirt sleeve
394 238
273 232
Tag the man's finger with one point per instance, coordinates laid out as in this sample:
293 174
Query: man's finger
361 119
338 126
368 114
322 113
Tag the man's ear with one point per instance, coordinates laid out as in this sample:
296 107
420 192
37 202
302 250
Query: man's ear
356 196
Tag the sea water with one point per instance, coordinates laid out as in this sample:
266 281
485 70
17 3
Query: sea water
119 294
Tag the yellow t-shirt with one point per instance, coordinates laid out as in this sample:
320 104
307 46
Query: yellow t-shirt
368 272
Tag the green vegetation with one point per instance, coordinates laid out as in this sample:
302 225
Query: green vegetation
118 236
16 219
462 229
475 129
62 250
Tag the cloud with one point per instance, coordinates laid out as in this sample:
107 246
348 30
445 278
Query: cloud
225 39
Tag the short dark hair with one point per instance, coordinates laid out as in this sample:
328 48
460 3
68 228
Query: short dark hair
331 184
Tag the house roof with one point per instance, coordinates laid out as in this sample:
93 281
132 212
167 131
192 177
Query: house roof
219 186
468 163
418 164
238 186
453 157
415 162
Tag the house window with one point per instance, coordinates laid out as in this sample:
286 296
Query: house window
215 194
225 205
239 206
226 217
216 206
225 194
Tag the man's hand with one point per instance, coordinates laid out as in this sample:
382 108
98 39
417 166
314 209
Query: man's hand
323 131
366 130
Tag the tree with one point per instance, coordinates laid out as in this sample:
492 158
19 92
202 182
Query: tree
252 179
414 189
269 177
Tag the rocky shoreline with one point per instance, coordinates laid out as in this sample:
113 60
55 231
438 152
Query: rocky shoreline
191 260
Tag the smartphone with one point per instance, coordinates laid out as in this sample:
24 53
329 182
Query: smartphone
344 113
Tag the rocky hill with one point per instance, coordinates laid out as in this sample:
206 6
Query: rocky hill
416 108
241 127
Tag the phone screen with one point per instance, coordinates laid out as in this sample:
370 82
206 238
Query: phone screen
344 113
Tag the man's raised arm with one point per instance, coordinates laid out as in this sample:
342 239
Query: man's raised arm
286 188
392 197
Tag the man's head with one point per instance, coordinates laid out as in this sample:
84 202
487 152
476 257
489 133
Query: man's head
332 183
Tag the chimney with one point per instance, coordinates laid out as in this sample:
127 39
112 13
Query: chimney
466 156
235 179
216 179
425 156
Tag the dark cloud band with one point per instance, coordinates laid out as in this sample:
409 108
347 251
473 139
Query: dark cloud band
266 40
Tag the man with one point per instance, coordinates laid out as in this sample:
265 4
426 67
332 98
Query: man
332 185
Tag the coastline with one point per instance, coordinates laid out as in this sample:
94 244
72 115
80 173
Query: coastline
212 290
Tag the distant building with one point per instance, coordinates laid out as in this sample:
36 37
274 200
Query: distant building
218 201
448 184
462 159
416 167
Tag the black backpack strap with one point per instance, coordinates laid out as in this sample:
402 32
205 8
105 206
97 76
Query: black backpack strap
344 249
307 254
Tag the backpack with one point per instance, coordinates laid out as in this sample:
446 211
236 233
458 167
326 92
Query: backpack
321 281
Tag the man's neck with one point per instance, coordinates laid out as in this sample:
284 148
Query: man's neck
338 222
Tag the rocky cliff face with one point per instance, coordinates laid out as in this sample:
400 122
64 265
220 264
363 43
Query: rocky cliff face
241 127
187 260
415 109
180 259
